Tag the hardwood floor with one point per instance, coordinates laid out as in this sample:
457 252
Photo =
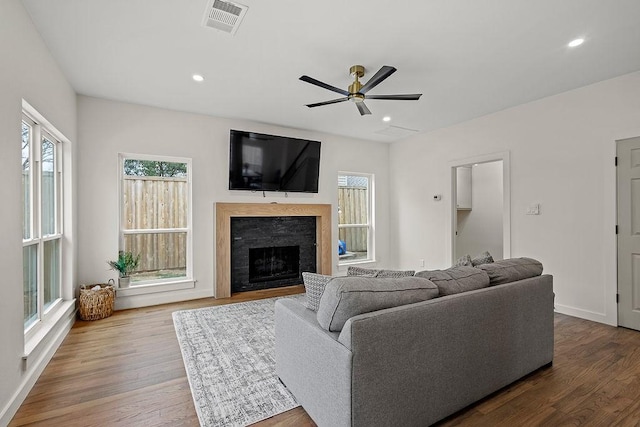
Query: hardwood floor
127 370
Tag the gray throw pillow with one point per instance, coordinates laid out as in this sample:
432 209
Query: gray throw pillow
455 280
372 272
314 285
345 297
511 270
464 260
484 258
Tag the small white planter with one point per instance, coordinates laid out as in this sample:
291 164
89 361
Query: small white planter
123 282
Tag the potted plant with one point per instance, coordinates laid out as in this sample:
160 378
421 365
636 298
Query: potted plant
125 264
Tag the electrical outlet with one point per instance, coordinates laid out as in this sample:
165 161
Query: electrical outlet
421 262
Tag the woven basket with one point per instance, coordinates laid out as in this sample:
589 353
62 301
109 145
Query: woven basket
96 304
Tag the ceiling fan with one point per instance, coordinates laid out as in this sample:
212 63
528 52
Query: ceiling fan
357 91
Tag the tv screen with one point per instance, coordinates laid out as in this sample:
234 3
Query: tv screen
260 162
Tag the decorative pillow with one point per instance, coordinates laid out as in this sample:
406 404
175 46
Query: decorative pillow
484 258
345 297
372 272
314 285
360 271
511 270
464 260
455 280
395 274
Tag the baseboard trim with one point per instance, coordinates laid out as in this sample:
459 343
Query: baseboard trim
37 367
137 301
583 314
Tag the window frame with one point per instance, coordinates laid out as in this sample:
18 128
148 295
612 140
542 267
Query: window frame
158 284
370 225
41 129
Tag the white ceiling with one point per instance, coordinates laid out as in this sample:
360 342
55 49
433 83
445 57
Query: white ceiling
467 57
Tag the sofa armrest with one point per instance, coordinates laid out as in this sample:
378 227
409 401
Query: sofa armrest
314 366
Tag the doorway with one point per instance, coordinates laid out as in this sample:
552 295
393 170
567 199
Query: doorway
479 209
480 206
628 231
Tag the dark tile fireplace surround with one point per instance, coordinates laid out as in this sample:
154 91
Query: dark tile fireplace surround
225 212
269 252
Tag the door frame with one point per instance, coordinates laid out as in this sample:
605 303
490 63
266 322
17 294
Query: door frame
506 200
609 315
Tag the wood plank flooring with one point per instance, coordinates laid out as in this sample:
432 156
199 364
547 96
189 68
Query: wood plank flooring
127 370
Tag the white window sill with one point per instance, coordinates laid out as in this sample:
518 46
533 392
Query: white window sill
64 309
357 262
152 288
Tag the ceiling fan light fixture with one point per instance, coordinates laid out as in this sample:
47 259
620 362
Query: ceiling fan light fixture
356 97
357 92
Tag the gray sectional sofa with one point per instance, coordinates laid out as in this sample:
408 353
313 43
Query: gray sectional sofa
415 363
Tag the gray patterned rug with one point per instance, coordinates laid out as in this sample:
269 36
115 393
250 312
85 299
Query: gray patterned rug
229 355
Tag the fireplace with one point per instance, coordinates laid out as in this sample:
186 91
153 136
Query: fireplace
270 252
226 212
275 263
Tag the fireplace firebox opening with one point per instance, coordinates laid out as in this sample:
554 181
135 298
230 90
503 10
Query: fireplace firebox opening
274 263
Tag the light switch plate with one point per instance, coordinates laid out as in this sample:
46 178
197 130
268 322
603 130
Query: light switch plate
533 209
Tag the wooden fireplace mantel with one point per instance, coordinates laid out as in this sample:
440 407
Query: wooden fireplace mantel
224 213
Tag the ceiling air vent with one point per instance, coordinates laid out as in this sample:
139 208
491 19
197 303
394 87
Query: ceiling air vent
397 131
224 15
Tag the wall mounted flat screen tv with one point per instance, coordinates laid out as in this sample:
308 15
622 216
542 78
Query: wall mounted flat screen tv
260 162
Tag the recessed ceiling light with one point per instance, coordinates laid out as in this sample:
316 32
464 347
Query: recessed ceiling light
198 77
386 119
576 42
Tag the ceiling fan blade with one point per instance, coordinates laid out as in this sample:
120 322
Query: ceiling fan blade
378 77
324 85
408 97
362 108
333 101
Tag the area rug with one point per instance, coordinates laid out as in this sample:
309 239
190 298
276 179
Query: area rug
229 356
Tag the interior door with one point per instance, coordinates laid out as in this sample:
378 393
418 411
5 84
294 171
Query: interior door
628 178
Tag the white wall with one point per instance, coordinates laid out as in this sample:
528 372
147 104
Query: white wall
27 71
562 151
107 128
480 229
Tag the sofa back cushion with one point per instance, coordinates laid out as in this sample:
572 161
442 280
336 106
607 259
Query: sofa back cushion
373 272
455 280
511 270
345 297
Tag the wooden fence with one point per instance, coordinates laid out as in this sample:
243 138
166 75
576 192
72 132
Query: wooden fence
352 202
161 203
152 203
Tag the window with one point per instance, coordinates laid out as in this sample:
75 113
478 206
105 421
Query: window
355 219
42 232
155 221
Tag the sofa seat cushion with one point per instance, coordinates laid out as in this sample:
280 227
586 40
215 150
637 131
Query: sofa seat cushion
345 297
455 280
382 273
511 270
